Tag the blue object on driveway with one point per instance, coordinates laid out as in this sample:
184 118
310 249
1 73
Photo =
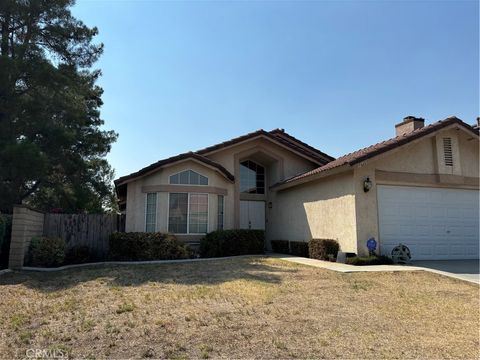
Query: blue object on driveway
371 245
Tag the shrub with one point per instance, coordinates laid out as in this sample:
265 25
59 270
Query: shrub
323 249
137 246
280 246
369 260
3 228
299 248
46 252
232 242
79 255
6 230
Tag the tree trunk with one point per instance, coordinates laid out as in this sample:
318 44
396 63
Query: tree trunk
5 33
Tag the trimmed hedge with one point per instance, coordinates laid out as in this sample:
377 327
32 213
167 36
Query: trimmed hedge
280 246
296 248
299 248
3 228
138 246
79 255
232 242
6 230
46 252
369 260
323 249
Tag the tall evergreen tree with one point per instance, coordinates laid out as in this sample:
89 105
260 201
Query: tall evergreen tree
52 146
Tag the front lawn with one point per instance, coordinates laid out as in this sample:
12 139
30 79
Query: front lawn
241 308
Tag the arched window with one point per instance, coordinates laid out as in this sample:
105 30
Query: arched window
252 178
188 177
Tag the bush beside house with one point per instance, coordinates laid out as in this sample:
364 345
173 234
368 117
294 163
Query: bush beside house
280 246
232 242
369 260
5 233
138 246
46 252
296 248
299 248
79 255
323 249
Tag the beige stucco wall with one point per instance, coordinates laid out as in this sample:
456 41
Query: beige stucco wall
135 213
279 162
321 209
423 157
292 164
337 206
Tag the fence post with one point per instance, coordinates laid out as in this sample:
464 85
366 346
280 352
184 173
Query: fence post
26 223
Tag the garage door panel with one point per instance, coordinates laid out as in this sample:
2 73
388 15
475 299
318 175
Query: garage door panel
422 230
434 223
458 250
460 231
440 213
421 212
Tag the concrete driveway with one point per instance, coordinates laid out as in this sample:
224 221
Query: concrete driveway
460 269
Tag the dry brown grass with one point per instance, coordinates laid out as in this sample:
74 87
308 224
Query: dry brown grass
241 308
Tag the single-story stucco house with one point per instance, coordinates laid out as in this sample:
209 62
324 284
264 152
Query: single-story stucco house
419 188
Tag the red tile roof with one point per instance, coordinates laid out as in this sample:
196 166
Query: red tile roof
276 135
279 136
280 133
380 148
184 156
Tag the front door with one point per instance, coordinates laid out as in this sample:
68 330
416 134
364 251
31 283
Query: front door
252 215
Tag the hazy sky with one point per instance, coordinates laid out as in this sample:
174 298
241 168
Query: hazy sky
182 75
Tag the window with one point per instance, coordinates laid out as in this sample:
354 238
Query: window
188 213
188 177
252 178
177 214
198 214
447 151
220 212
151 212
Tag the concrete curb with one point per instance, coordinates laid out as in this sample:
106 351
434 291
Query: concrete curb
338 267
150 262
5 271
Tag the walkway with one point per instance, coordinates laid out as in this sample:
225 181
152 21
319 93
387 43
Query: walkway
345 268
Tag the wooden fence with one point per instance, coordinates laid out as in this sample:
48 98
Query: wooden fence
92 230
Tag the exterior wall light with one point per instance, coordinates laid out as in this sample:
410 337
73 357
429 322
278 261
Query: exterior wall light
270 205
367 184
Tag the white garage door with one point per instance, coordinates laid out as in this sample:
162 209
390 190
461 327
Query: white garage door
436 224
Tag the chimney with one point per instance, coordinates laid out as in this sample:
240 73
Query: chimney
409 124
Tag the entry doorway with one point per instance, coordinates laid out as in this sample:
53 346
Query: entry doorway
252 215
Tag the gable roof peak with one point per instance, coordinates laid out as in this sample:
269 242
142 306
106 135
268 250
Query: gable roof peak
276 135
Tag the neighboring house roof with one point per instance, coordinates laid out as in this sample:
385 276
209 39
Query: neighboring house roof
377 149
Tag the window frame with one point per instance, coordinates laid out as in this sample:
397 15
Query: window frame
223 211
146 211
188 211
179 184
257 164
